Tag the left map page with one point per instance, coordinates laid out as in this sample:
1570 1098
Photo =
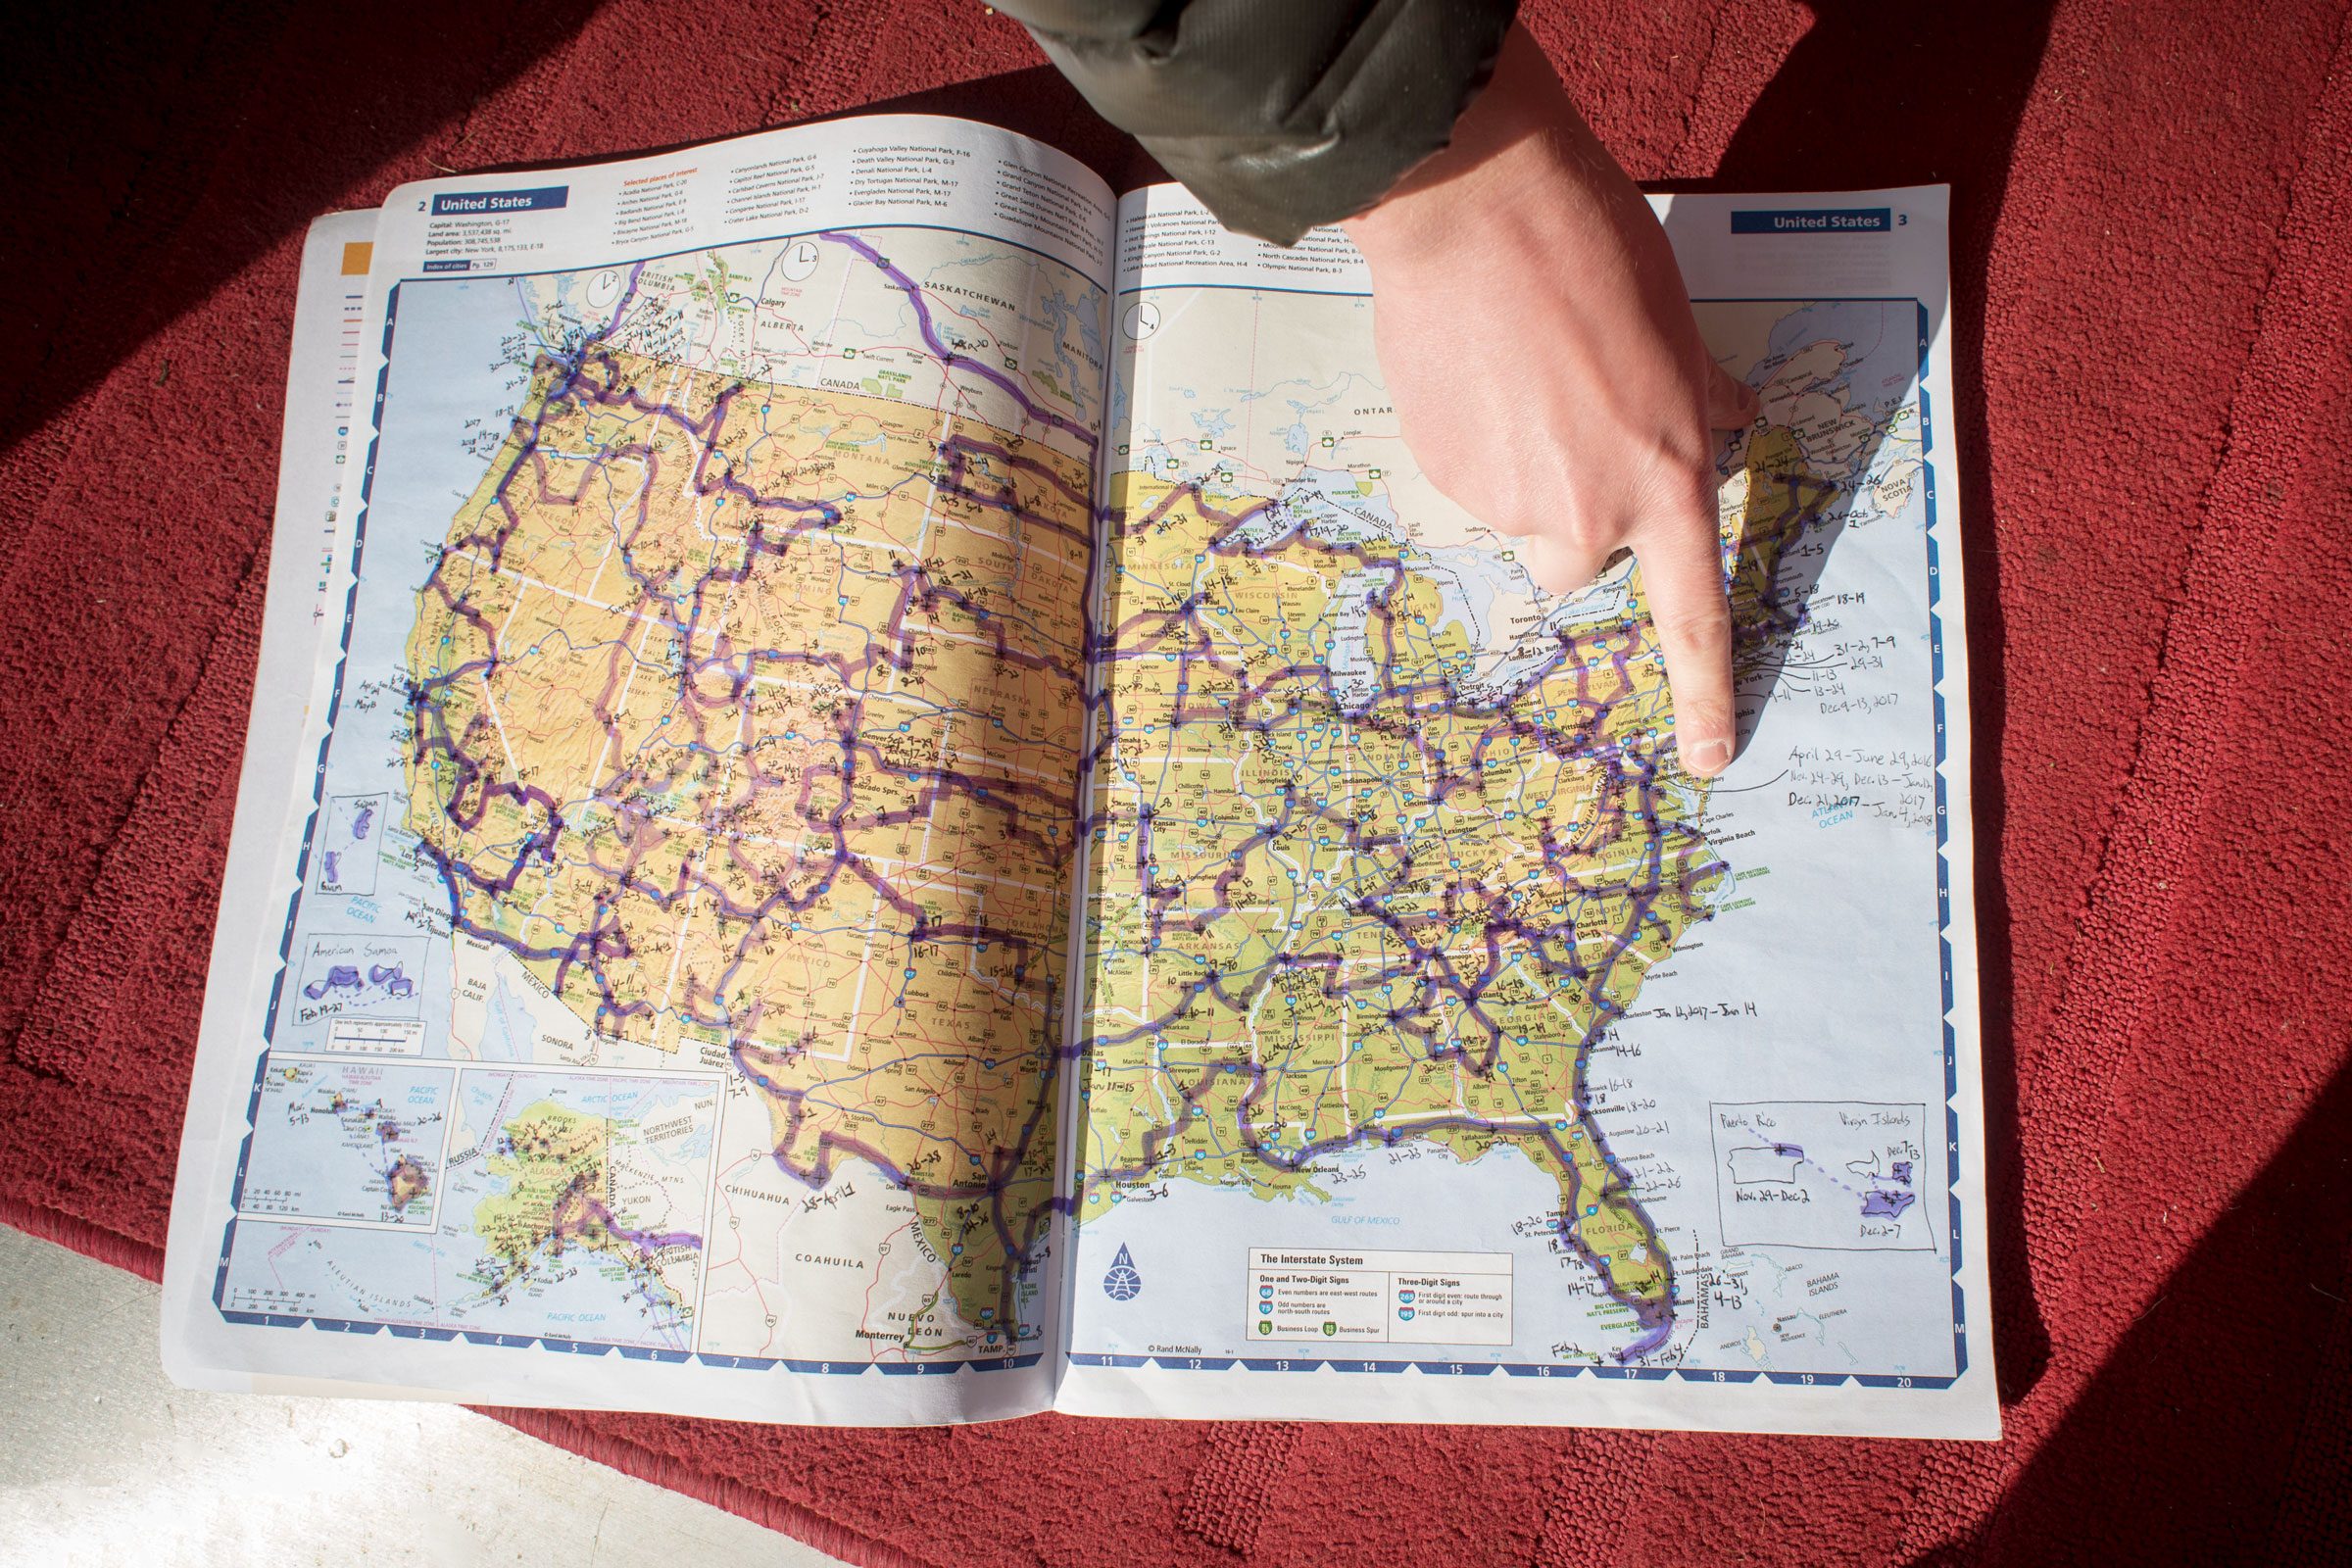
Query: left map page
646 994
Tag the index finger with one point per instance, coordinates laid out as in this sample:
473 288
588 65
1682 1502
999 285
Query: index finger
1681 569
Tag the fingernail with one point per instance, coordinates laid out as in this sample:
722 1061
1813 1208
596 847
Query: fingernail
1708 757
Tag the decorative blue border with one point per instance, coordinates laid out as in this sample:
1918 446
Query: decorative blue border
1951 1059
302 860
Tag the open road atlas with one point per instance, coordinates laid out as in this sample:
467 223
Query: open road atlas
878 794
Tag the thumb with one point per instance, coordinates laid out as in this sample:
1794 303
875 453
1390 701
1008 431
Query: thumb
1731 404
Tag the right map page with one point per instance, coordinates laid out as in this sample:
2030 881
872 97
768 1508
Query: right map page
1446 1052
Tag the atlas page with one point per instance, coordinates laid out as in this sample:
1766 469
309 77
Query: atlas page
1446 1052
643 962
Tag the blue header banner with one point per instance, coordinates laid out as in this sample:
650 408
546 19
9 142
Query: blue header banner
459 203
1815 221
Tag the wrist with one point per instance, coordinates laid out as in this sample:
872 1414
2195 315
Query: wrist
1519 136
1523 177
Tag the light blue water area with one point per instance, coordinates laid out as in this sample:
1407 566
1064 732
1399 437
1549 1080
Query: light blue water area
459 370
328 1135
508 1034
1469 579
1881 347
492 1098
1082 315
1354 671
1326 505
1215 424
374 1276
1340 511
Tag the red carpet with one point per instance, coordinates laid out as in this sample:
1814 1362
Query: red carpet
2154 322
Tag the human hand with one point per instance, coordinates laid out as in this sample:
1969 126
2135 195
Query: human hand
1538 346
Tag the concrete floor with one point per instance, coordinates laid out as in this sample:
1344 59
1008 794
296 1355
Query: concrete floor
102 1461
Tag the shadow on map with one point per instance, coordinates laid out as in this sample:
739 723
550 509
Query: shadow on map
137 102
135 105
1877 95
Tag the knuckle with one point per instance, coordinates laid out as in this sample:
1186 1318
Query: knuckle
1681 485
1586 531
1704 630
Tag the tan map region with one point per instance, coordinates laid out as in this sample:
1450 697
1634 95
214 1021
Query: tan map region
746 719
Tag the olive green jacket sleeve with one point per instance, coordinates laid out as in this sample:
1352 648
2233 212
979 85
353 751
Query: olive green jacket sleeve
1279 114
